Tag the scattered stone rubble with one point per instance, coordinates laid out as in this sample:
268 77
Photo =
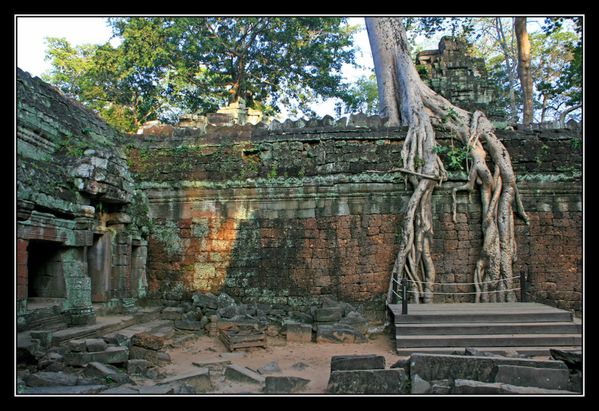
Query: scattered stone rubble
437 374
129 361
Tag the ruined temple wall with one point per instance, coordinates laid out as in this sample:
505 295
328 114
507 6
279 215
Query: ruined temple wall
73 185
290 215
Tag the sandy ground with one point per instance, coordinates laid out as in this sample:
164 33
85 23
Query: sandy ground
315 357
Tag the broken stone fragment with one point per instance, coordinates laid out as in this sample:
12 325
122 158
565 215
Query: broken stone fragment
95 345
147 340
243 374
138 366
284 385
50 379
357 362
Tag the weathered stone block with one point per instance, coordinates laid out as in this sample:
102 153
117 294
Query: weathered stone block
328 314
242 374
284 385
147 340
419 386
357 362
155 357
199 380
338 334
553 379
112 355
95 344
439 366
164 389
493 388
301 333
77 346
392 381
138 366
49 379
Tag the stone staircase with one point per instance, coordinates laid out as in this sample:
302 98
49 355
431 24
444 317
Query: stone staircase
527 328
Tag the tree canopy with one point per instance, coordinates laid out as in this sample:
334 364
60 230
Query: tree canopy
166 66
556 59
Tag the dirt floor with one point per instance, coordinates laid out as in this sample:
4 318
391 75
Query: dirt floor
316 359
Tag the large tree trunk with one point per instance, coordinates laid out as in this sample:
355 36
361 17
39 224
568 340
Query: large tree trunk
524 68
420 108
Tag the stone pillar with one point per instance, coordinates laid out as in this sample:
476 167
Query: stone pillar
139 281
78 284
22 276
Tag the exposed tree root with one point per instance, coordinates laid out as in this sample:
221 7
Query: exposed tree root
421 109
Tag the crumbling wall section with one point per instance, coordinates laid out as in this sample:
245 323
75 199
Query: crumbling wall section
293 212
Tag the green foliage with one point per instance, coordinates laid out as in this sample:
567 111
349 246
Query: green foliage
273 173
423 70
362 96
167 66
576 143
454 158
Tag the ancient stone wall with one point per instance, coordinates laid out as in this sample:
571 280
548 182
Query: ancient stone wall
294 212
284 214
73 189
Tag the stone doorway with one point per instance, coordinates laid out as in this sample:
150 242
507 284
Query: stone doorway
45 270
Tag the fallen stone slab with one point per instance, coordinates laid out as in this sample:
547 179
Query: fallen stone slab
123 389
112 355
490 388
356 321
392 381
50 379
573 359
171 313
155 357
207 300
440 366
441 389
284 385
95 345
68 390
335 333
550 378
199 380
297 332
98 369
328 314
138 366
118 340
147 340
357 362
419 386
243 374
157 389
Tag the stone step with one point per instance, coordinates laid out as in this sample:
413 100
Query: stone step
528 351
494 340
479 313
561 327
